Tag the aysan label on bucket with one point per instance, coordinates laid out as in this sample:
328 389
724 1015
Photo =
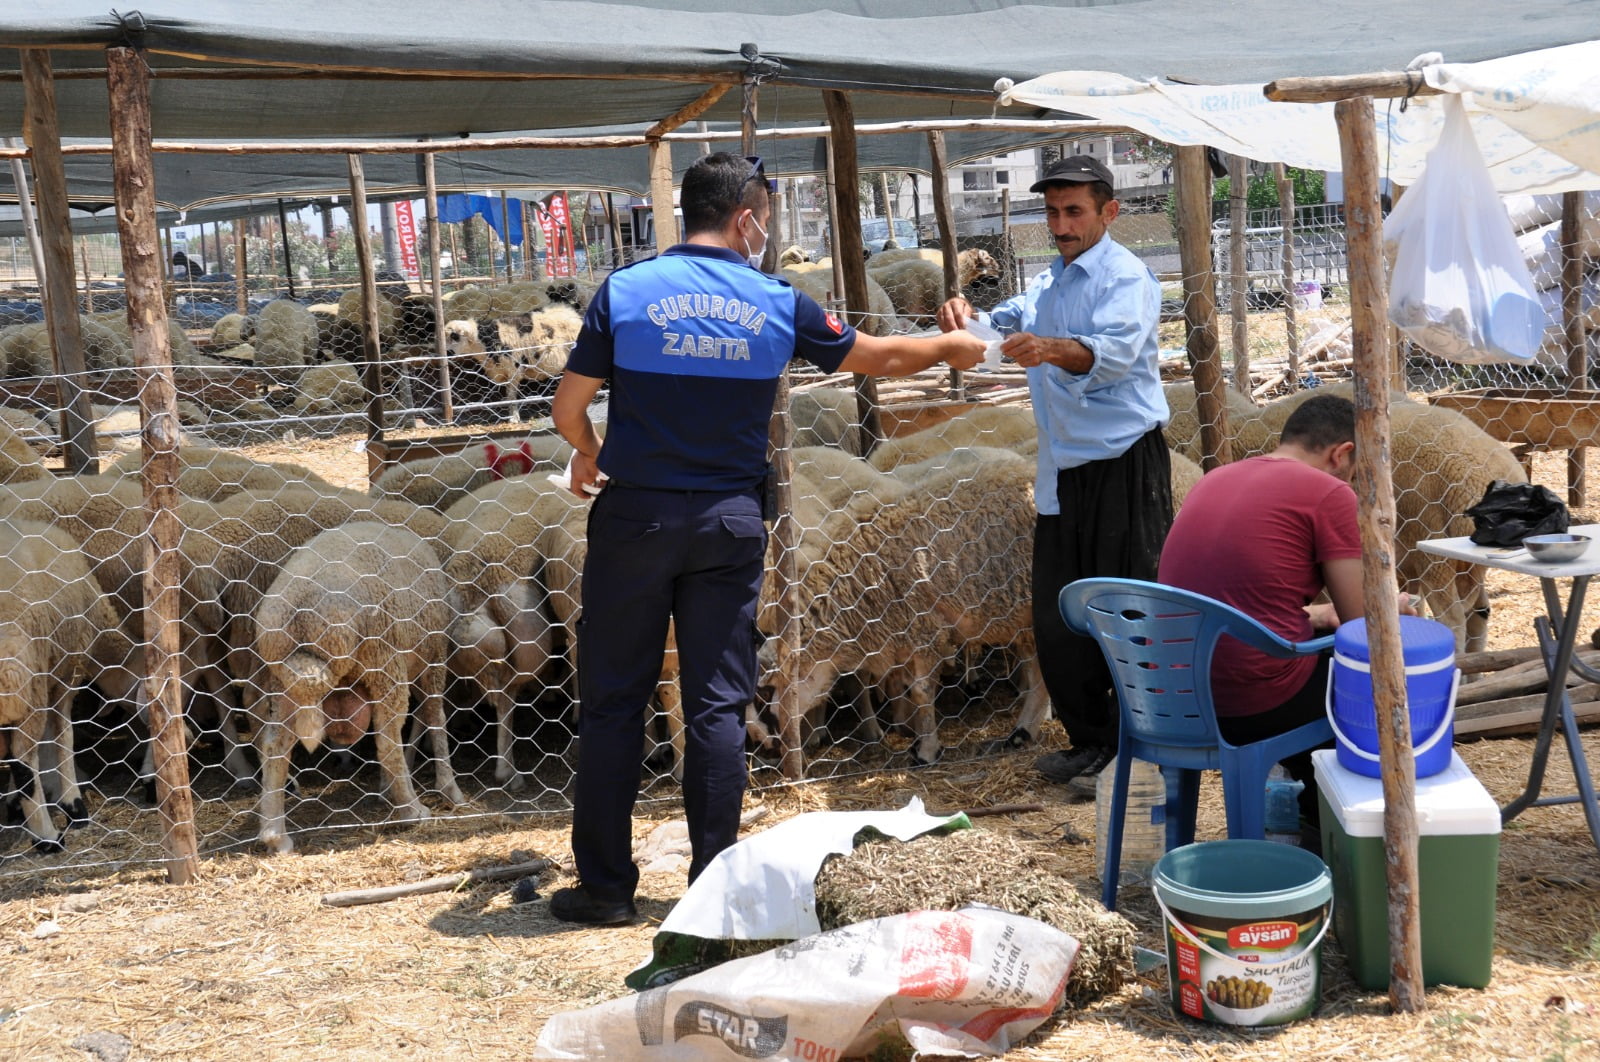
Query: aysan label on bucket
1258 973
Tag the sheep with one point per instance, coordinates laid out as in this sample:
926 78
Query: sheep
228 331
352 311
517 298
502 640
19 462
574 291
439 482
1002 427
825 416
941 567
53 619
38 433
916 285
818 282
793 255
284 335
211 475
353 624
1185 474
25 349
467 304
1183 426
331 388
179 346
528 348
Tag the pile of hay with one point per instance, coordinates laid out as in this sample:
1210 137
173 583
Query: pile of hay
943 873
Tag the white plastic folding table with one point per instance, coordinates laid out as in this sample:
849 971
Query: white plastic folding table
1557 631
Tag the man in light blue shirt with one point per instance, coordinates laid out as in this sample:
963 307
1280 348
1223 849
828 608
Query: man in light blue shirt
1085 330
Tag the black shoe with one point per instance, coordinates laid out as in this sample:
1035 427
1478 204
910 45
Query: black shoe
1063 767
577 904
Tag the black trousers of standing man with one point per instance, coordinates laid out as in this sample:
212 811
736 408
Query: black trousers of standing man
1115 515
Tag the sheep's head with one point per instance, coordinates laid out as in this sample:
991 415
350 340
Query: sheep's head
793 255
976 265
461 337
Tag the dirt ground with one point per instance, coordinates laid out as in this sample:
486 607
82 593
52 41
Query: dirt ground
247 963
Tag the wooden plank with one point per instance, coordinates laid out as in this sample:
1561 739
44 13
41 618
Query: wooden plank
1374 488
133 177
1514 722
206 386
1543 418
1382 85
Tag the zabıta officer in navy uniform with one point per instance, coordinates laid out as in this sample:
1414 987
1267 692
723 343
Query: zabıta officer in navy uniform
692 343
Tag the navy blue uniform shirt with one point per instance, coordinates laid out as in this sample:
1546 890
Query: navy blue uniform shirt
693 342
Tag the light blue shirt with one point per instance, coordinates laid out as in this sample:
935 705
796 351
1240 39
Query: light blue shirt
1109 301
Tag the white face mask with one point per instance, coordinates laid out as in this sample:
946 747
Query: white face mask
755 257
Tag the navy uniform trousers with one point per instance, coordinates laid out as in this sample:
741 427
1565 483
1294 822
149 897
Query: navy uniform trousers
695 558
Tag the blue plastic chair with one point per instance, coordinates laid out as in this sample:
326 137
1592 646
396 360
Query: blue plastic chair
1158 642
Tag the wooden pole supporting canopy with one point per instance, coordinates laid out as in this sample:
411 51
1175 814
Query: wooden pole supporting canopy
58 284
1192 174
1239 270
944 218
431 212
1572 317
128 85
1385 85
845 245
372 355
1374 488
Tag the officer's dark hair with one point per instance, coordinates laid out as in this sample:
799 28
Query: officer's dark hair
715 188
1321 422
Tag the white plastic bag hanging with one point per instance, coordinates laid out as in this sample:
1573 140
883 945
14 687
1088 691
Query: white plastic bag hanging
1460 288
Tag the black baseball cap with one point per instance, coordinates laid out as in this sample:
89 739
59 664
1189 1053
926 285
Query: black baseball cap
1075 169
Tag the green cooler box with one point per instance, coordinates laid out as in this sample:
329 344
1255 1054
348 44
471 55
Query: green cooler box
1458 855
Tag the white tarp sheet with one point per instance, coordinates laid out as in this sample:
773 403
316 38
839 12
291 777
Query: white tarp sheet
1536 118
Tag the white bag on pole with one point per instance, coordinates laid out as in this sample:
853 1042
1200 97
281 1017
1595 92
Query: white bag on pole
1460 288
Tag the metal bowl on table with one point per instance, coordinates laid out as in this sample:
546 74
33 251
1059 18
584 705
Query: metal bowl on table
1556 549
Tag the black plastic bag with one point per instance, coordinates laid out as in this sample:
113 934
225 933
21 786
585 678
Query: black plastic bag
1510 512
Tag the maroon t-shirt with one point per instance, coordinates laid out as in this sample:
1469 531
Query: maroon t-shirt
1254 534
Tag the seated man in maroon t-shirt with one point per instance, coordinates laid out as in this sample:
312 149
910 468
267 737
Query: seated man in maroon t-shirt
1267 535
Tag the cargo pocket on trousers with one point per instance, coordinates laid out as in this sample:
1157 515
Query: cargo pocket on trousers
747 530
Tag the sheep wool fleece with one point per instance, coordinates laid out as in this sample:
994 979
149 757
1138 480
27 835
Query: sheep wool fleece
692 342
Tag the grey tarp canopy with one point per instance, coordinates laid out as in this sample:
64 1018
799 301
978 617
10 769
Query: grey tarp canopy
285 68
197 183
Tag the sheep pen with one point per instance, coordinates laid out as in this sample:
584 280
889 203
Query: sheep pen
255 961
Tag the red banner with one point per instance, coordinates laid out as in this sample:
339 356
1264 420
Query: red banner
406 228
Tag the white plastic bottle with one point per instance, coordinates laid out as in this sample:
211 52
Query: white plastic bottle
1144 830
1283 806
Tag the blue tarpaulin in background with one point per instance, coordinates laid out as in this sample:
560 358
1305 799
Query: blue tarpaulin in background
461 207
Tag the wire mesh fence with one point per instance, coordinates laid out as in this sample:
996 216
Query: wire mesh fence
368 637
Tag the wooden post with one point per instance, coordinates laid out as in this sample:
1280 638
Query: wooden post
505 223
288 260
661 195
775 226
1572 316
30 226
1398 343
241 268
1192 175
785 533
430 211
455 253
888 207
372 375
1286 209
530 247
88 284
847 261
945 220
1005 220
614 223
1239 270
57 287
1374 488
128 85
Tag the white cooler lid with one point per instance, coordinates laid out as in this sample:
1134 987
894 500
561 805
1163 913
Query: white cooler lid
1452 802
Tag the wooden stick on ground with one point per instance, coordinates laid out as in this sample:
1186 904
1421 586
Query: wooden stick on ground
447 883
